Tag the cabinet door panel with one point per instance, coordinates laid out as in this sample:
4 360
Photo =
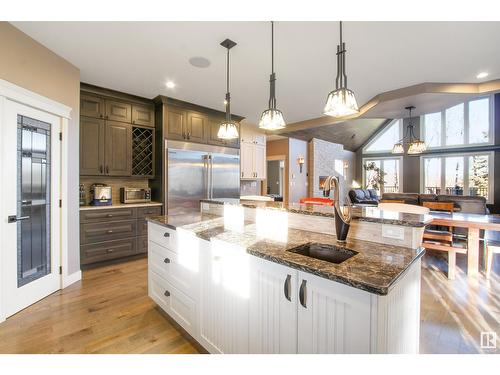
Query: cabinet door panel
196 127
224 298
247 156
260 161
118 111
176 123
91 146
273 308
91 106
335 318
118 149
142 115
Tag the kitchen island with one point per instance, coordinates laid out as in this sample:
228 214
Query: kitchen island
251 282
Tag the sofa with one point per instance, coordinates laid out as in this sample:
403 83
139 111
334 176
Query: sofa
363 196
462 203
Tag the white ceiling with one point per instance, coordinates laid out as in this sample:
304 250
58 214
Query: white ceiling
139 57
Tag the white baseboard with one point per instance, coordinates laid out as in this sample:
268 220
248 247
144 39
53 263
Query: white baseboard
70 279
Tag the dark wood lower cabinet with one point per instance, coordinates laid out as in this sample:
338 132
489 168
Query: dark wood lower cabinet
107 234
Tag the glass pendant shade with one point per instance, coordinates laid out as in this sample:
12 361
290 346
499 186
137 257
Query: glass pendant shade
228 130
341 102
416 147
398 149
272 119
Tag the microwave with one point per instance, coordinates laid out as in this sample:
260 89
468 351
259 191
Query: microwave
135 195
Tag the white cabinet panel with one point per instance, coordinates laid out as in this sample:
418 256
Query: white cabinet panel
224 298
260 161
247 150
163 236
332 317
273 308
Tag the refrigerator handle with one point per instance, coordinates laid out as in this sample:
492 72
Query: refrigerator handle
207 176
211 177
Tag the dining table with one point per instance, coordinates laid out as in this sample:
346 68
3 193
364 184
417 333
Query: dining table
474 223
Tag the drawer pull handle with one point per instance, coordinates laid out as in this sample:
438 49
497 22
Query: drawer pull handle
166 234
166 260
109 250
109 215
109 231
167 293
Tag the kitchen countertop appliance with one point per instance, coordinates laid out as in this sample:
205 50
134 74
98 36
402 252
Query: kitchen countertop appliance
135 195
197 171
100 195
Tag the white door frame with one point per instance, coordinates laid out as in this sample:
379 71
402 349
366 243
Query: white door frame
9 91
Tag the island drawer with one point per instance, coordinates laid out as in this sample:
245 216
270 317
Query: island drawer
175 303
148 211
99 215
98 232
108 250
162 236
166 264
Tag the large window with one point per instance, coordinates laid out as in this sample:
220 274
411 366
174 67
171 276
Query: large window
458 174
465 124
382 174
384 141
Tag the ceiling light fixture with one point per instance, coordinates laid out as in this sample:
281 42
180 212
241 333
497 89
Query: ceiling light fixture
170 84
341 101
272 118
415 145
482 75
228 129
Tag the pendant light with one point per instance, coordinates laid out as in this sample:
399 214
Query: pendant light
228 129
272 118
341 101
415 145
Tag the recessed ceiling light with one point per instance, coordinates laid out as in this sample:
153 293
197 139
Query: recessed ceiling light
170 84
199 62
482 75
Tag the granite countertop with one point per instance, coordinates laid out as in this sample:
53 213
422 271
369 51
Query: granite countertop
370 214
375 268
121 205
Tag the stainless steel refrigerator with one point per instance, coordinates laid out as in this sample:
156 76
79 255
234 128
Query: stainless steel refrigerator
196 171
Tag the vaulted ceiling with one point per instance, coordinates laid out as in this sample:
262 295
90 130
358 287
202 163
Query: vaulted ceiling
139 57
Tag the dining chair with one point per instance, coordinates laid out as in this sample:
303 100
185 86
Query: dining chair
442 240
492 248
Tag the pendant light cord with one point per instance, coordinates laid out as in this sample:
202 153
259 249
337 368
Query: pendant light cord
228 96
272 78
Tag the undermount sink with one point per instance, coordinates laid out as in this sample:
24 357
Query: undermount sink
329 253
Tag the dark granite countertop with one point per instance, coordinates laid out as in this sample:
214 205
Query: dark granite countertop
369 214
375 268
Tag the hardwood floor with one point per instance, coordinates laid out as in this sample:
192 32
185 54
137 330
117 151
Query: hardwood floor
109 312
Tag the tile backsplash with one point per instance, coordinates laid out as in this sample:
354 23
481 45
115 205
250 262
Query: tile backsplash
115 182
250 187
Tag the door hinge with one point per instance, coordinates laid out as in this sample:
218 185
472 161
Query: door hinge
60 270
60 136
60 202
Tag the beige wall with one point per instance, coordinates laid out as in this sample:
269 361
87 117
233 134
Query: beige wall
29 64
298 181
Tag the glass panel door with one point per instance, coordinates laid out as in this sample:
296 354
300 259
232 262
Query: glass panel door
33 199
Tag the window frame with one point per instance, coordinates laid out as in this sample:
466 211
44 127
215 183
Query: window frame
379 134
443 146
466 155
374 158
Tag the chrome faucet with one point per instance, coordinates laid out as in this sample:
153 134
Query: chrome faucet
342 218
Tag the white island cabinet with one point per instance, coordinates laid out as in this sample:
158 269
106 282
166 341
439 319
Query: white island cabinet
234 302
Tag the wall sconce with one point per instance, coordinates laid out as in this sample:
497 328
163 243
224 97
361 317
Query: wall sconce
300 160
346 167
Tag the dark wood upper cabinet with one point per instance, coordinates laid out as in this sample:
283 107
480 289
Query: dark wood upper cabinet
176 123
196 127
213 139
91 146
91 106
118 147
143 115
118 111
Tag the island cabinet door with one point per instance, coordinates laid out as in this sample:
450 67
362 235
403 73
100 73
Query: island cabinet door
332 317
224 297
273 308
